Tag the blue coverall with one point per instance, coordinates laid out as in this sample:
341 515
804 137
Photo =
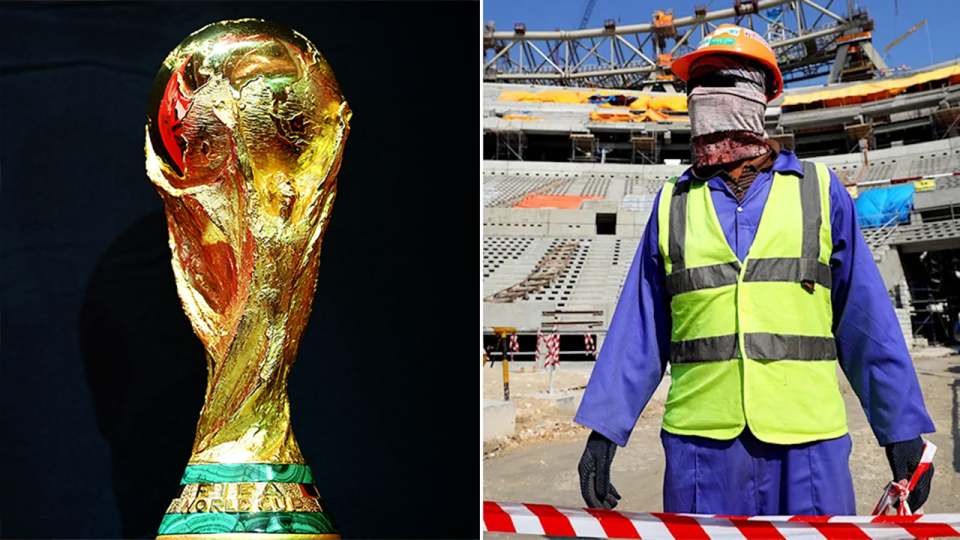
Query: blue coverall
745 476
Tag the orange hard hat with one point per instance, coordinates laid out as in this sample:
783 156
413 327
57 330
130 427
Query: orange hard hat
738 41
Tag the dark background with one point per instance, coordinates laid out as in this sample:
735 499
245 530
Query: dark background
101 376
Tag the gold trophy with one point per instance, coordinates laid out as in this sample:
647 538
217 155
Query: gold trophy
244 138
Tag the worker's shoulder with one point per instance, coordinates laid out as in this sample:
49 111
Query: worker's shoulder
839 194
823 168
798 166
668 188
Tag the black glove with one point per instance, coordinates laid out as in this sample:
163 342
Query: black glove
904 458
594 470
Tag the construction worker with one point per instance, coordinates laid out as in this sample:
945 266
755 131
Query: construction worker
752 280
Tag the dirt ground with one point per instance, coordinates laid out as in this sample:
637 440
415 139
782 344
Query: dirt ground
538 420
541 468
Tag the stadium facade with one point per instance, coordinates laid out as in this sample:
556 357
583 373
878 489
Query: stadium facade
571 167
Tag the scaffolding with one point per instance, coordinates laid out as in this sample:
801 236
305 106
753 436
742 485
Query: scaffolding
583 147
510 144
645 149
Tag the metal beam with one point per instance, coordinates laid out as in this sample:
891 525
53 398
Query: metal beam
546 58
625 63
838 63
873 55
814 25
582 75
636 50
631 28
812 35
682 40
825 11
500 54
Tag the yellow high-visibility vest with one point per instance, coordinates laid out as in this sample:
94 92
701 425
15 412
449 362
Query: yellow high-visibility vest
752 341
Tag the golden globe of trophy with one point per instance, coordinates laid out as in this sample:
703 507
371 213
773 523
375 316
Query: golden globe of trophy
244 137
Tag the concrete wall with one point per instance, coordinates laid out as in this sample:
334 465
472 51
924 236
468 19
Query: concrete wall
903 315
899 158
507 168
524 315
499 419
551 222
938 198
888 262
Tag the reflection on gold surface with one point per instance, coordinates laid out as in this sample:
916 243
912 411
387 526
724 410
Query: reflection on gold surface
244 138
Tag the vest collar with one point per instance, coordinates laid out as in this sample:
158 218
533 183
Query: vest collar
787 162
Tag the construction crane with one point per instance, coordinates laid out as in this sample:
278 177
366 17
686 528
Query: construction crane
587 11
903 37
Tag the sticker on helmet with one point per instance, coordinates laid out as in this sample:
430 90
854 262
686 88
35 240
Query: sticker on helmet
756 37
704 43
722 41
731 31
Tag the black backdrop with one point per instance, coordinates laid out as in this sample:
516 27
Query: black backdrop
101 376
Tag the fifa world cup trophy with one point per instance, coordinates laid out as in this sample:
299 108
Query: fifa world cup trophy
244 137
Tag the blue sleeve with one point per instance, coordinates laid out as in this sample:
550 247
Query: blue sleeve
870 344
636 349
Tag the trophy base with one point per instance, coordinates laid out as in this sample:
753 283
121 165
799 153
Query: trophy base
248 501
248 536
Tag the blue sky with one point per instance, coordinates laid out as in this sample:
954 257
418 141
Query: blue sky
916 51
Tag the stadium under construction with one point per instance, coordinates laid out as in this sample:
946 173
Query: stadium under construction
583 127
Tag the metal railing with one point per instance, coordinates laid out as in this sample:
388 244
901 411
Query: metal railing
880 235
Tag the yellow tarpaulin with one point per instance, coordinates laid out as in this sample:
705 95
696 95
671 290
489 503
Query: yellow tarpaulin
651 115
521 117
669 103
612 117
851 95
549 96
641 103
872 91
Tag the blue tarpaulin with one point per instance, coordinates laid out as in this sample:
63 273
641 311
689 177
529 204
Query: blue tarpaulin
618 100
878 206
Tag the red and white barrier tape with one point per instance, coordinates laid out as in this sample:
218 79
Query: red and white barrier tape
553 349
548 520
902 180
514 346
596 523
536 352
899 491
588 344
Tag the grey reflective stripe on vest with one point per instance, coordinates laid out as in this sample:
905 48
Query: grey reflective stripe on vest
710 349
810 205
702 277
678 224
758 347
787 269
789 347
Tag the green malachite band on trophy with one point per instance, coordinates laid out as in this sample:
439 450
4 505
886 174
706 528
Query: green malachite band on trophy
247 472
261 522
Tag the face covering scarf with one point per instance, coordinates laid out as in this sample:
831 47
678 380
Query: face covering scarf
727 122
